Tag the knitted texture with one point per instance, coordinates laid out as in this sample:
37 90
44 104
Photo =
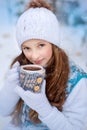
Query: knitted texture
38 23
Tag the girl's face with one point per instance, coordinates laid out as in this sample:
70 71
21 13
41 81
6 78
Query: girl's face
37 51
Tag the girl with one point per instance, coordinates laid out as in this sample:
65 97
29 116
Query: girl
62 102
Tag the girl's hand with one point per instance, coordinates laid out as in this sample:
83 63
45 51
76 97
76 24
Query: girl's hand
8 97
36 101
13 74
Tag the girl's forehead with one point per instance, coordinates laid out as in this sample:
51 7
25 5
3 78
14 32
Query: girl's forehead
36 41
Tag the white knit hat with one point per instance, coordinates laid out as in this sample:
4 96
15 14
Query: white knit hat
38 23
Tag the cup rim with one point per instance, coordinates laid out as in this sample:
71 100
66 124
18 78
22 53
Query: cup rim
32 65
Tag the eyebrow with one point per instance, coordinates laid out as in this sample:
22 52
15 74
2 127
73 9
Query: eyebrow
35 43
23 45
41 42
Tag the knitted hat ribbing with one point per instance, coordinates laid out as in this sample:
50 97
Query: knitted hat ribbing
38 23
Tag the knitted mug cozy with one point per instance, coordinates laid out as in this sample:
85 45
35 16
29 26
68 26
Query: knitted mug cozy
31 77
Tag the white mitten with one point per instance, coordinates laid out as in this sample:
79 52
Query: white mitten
36 101
8 97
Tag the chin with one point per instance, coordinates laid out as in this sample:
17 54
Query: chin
44 65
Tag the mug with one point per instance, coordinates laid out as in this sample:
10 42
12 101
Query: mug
31 77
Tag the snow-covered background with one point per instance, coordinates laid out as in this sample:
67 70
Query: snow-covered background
73 36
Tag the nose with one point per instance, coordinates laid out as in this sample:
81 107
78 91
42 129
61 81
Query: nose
35 55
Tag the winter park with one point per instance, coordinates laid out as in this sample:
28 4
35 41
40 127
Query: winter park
72 15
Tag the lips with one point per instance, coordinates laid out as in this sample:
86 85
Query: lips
38 62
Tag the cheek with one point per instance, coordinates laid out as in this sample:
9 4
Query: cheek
27 55
48 53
